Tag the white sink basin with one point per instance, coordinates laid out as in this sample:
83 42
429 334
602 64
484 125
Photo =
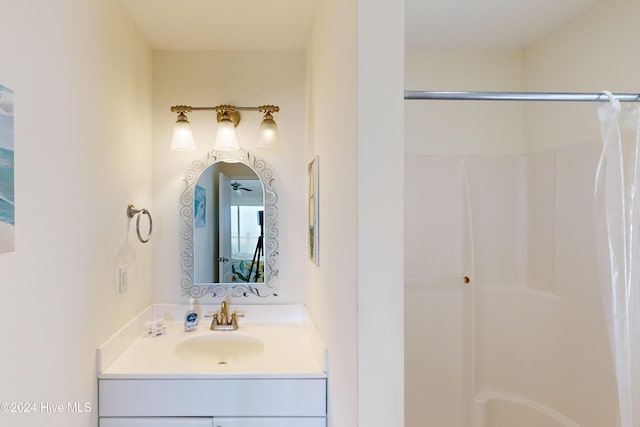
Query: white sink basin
219 348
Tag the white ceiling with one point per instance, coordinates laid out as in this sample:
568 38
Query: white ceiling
285 24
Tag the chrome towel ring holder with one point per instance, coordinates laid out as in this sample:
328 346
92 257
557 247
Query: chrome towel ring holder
131 212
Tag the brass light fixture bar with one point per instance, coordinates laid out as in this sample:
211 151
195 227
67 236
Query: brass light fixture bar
226 115
232 110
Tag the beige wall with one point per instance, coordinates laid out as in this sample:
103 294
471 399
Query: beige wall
380 210
243 79
464 127
332 287
355 295
82 80
592 53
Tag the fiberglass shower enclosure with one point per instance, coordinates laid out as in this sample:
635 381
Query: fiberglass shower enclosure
525 342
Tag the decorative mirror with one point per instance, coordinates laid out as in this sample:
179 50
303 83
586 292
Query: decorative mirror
229 227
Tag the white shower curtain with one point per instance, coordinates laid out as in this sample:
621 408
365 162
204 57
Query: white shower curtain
618 232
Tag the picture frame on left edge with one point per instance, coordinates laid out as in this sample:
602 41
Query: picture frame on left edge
313 174
7 186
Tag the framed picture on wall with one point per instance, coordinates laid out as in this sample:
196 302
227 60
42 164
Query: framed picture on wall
199 207
7 200
313 203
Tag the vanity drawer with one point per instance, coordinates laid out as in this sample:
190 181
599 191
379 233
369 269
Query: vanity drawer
156 422
270 422
296 397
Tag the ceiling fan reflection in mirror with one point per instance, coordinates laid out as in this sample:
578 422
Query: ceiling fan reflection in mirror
238 186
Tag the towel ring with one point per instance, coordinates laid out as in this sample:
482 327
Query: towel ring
131 212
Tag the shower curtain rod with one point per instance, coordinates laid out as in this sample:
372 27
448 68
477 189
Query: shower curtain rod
519 96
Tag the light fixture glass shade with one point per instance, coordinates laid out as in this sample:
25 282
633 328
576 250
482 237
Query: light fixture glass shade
268 138
182 135
226 139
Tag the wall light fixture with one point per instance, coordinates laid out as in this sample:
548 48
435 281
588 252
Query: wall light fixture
228 117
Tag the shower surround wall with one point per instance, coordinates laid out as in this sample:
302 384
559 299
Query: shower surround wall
526 340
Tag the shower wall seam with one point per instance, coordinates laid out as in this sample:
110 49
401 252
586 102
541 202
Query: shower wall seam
472 267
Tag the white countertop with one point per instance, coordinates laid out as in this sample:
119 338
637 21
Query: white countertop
288 353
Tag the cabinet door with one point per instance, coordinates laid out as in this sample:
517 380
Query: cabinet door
156 422
270 422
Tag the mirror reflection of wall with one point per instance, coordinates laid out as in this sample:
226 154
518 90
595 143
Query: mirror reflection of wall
228 225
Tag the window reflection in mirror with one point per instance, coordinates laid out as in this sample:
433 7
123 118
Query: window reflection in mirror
228 225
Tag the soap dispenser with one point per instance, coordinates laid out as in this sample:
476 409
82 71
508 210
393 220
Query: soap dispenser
191 318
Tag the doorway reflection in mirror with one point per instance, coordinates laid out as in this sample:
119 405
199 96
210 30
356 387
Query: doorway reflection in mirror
229 247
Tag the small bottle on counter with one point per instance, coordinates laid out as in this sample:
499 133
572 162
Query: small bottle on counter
148 328
159 328
191 318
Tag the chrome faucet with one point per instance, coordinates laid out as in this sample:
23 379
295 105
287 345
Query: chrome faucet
222 321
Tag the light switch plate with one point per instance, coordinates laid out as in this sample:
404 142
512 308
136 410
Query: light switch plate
123 278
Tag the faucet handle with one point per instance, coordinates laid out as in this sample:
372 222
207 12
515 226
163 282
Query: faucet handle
234 318
216 321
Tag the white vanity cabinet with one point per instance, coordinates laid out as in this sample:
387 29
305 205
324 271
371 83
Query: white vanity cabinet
217 422
156 422
243 402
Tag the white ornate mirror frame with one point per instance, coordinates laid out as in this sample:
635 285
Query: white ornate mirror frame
260 289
